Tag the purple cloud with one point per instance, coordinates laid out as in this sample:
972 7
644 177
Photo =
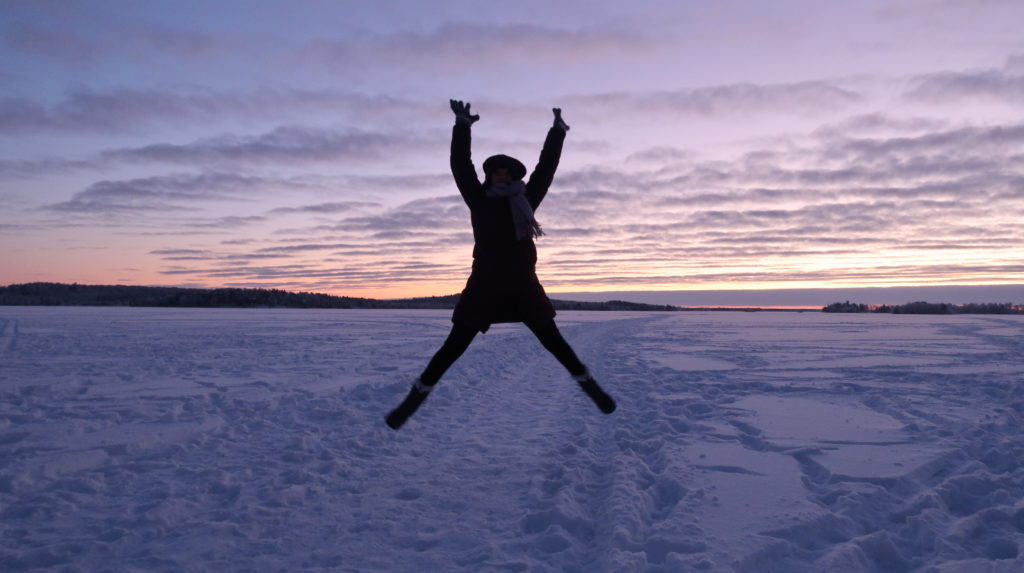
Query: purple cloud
160 193
327 208
735 99
449 44
283 145
124 109
1006 84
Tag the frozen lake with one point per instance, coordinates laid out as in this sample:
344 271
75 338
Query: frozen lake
253 440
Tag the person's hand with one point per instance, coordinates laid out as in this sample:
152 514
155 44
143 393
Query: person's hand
462 113
559 122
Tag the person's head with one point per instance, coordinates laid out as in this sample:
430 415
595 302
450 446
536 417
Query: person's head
500 169
500 176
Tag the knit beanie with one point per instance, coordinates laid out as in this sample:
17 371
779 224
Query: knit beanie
515 168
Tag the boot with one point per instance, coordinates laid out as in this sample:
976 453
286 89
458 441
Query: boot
604 402
417 394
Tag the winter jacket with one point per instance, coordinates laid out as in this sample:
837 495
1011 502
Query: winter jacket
503 286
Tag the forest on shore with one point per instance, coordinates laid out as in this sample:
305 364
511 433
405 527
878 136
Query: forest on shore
921 307
62 294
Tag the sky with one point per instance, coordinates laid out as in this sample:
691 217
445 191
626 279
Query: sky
723 145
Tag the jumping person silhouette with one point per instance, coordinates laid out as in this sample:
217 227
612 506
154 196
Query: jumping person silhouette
503 285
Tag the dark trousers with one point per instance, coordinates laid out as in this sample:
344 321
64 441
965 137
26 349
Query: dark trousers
459 338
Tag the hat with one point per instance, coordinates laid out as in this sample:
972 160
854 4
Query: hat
515 168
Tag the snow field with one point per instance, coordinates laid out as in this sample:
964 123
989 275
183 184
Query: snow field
253 440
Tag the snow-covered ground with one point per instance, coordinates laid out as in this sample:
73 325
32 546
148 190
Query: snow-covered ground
253 440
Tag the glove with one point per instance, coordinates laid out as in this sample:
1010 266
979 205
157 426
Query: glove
462 113
559 122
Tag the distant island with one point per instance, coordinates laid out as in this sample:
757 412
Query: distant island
61 294
921 307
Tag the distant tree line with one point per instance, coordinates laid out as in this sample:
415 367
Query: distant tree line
610 305
62 294
921 307
846 307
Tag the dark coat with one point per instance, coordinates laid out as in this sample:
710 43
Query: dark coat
503 286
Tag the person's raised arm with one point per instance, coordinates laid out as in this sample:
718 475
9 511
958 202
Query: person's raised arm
551 153
461 159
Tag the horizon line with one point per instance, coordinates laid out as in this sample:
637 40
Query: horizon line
799 298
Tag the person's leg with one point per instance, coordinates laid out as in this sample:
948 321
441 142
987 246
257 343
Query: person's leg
550 337
457 342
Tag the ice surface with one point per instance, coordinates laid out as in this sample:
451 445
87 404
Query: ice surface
816 420
253 440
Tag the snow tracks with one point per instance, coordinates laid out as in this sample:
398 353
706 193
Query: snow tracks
527 475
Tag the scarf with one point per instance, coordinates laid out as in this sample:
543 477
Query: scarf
522 213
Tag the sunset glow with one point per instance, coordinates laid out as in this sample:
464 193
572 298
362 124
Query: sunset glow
304 146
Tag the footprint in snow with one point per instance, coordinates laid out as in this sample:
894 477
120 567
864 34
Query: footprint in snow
409 494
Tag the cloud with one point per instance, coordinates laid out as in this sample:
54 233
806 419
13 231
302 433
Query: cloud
606 180
849 196
838 274
1006 85
431 216
880 123
35 168
706 223
970 166
179 252
183 254
286 145
450 45
729 100
177 255
282 145
408 243
301 248
391 183
838 199
950 151
306 276
84 35
14 228
128 109
159 193
660 155
327 208
230 222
